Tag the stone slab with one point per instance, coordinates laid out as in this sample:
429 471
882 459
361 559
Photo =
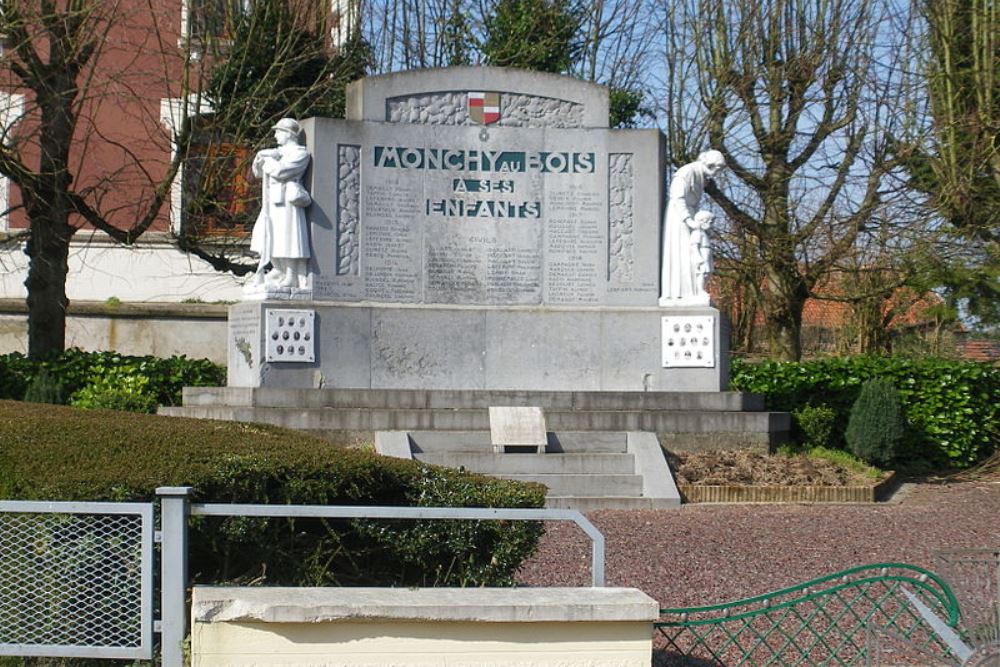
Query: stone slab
596 484
593 503
445 399
411 97
507 464
657 479
427 644
487 605
353 419
393 443
517 425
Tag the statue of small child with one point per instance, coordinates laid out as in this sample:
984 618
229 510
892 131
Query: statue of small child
701 248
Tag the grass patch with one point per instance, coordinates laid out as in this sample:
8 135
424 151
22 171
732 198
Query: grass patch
838 457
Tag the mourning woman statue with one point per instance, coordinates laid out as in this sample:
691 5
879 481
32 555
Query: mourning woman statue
684 258
281 233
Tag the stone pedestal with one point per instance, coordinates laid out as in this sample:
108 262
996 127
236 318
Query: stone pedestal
384 346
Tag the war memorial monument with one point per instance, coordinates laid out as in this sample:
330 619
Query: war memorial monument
472 238
475 228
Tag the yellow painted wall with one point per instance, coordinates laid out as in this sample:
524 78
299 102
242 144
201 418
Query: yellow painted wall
354 643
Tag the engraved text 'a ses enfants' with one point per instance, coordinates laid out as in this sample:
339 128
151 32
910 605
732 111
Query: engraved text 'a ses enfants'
492 162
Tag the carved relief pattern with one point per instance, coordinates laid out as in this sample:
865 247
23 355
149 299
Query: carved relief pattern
348 198
531 111
621 218
451 108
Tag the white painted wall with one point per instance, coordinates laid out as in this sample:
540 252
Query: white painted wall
151 271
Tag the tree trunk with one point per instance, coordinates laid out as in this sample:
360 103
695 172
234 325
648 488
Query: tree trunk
48 250
784 299
48 210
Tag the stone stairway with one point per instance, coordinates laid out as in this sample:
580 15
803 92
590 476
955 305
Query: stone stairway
604 448
688 420
582 470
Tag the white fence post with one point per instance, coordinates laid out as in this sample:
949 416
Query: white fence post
173 573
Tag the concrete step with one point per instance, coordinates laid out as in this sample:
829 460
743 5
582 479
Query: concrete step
639 478
591 503
585 484
479 441
507 464
360 419
410 399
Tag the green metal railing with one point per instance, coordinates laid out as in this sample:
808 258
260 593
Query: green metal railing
826 621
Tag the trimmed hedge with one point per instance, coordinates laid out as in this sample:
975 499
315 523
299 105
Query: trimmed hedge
951 407
75 369
59 453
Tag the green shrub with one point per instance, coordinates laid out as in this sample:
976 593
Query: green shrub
60 453
952 415
44 389
875 428
75 369
813 425
117 389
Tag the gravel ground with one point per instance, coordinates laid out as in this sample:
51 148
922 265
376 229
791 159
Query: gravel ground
704 554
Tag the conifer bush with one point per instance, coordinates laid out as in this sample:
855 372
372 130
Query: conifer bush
876 426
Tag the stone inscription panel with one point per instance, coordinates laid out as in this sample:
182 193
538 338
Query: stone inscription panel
244 338
496 216
482 216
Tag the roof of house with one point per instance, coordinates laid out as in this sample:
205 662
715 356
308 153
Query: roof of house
979 350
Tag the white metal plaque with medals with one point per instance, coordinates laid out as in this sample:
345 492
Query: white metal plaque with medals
291 335
689 341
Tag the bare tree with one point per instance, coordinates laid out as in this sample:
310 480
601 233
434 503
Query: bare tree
73 61
611 45
413 34
800 97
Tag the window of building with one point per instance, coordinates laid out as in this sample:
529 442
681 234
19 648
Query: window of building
220 198
205 20
11 110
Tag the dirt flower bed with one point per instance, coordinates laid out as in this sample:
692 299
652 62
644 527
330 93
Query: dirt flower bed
733 468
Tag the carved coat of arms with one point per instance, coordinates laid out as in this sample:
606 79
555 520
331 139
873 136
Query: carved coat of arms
484 108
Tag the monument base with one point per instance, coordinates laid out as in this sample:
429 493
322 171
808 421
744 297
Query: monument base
392 346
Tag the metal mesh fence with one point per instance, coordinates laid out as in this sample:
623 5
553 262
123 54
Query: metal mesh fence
974 576
821 622
74 584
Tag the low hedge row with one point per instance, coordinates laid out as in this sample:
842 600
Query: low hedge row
951 407
59 453
75 369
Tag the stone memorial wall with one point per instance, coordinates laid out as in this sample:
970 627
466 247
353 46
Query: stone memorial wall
476 216
479 227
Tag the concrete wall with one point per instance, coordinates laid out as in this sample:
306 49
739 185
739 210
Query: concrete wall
195 330
583 627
